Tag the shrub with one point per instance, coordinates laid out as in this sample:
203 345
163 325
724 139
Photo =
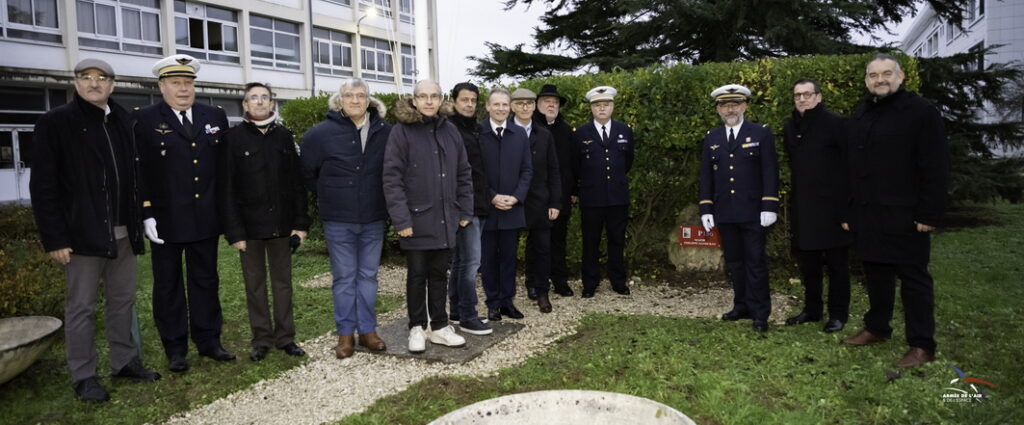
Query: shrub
30 282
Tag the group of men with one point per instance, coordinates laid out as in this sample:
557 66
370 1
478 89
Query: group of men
458 192
877 180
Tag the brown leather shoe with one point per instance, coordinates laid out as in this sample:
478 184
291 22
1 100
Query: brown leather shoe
544 303
915 357
863 338
372 341
344 349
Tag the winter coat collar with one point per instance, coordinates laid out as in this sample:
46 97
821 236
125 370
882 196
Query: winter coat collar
407 113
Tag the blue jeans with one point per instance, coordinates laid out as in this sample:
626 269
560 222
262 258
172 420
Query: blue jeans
355 256
465 264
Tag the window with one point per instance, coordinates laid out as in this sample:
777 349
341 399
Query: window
341 2
125 25
932 45
377 63
405 12
206 32
274 42
332 51
408 64
974 9
383 6
31 20
976 49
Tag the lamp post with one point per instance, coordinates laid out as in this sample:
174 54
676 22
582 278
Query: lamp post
357 63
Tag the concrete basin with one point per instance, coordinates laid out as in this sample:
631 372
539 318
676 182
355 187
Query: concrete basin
22 340
566 407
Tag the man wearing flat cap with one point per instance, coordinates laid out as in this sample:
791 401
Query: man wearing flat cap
542 200
86 203
179 142
739 192
548 115
604 155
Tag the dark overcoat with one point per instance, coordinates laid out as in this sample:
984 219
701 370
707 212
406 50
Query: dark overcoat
899 164
428 184
562 134
260 193
347 178
602 167
509 171
546 185
471 139
180 170
740 180
71 196
815 144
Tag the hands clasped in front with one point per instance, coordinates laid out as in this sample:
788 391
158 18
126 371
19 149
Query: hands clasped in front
504 202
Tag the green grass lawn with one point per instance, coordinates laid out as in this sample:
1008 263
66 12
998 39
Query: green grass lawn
42 394
723 373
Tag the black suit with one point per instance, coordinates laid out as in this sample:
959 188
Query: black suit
603 166
820 190
562 135
545 193
738 181
179 170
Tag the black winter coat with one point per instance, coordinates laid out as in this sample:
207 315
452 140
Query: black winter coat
471 138
899 163
260 192
561 133
815 144
71 197
546 183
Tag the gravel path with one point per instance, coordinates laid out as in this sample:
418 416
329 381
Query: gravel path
325 389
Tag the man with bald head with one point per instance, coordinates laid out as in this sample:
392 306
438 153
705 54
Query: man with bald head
899 163
428 189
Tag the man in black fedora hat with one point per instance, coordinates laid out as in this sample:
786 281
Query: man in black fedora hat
547 115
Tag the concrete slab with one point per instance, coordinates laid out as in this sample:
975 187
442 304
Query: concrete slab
396 335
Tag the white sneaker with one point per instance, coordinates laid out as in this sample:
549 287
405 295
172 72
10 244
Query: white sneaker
417 340
447 336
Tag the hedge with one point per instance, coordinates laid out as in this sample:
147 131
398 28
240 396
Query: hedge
30 282
670 110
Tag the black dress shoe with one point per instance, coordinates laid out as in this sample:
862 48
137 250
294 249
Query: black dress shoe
177 363
293 350
217 353
258 353
136 372
511 312
89 389
588 293
564 291
760 325
734 315
543 303
803 317
622 291
833 326
531 293
493 314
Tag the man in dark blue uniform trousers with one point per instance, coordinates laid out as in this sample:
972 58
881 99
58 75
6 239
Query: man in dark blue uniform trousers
548 115
739 190
178 143
899 160
816 145
604 156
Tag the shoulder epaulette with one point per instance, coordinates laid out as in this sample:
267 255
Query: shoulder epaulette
220 107
136 108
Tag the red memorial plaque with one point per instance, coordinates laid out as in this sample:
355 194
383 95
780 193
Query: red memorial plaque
697 236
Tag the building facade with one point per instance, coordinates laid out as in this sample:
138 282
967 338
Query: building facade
299 47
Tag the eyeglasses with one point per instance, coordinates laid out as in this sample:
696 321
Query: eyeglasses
357 96
90 77
433 96
258 98
804 95
522 104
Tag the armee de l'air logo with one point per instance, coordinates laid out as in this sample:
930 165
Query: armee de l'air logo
966 389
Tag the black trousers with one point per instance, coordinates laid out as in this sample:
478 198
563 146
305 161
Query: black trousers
613 221
916 290
498 266
559 233
743 247
258 255
538 260
811 263
426 287
186 303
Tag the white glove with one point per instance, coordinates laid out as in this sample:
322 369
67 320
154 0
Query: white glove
709 221
768 218
150 225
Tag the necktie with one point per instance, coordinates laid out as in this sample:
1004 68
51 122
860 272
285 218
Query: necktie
732 137
604 135
185 123
499 130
